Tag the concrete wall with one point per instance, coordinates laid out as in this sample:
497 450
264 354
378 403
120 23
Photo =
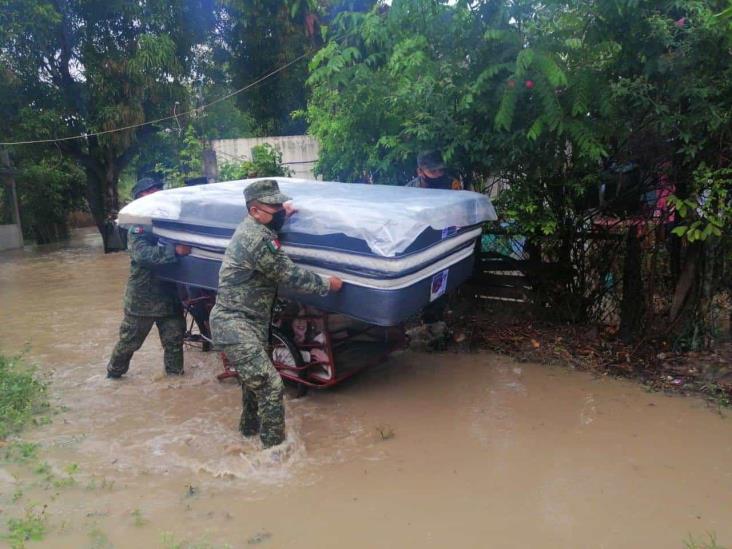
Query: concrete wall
299 152
10 237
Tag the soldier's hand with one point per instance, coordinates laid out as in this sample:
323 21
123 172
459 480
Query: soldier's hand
182 249
335 284
289 208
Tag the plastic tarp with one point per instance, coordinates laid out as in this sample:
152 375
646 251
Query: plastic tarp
388 218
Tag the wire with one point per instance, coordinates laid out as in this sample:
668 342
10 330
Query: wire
157 120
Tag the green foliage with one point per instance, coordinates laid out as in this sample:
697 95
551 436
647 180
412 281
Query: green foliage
98 539
31 527
266 162
73 68
709 542
266 35
223 120
176 158
392 82
69 480
19 451
22 395
708 211
49 188
260 36
139 519
463 79
539 98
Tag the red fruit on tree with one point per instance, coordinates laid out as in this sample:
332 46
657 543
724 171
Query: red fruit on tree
680 22
529 84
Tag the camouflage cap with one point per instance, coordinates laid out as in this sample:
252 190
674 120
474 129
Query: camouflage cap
430 160
266 191
145 184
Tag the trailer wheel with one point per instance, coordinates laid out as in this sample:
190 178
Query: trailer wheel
285 355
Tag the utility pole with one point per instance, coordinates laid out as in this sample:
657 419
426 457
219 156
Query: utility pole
7 174
210 166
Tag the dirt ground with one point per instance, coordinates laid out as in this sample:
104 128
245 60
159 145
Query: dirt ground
515 330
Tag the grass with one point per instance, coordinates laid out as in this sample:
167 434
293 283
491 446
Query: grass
709 543
98 539
19 451
31 527
22 395
103 484
17 495
44 470
386 432
138 518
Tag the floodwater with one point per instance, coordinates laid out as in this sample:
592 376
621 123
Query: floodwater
426 450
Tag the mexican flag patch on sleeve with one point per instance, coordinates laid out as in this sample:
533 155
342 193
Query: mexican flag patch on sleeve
138 229
274 245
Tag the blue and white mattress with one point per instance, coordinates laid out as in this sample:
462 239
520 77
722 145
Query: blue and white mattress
397 248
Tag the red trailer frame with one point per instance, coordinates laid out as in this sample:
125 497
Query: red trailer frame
344 351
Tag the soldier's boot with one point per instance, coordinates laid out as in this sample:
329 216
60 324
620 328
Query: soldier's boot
271 411
249 422
132 334
111 374
119 363
173 359
171 330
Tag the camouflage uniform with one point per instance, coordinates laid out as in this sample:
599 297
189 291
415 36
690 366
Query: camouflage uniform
252 268
149 301
454 183
432 160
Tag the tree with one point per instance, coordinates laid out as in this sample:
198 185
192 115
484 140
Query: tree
544 97
264 35
80 68
49 189
391 82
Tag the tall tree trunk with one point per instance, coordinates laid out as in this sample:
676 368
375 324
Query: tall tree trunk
685 282
691 309
632 307
103 200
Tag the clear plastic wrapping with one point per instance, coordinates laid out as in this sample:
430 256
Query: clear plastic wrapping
387 218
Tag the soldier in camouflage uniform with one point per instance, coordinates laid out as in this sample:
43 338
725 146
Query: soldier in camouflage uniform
253 266
432 173
149 300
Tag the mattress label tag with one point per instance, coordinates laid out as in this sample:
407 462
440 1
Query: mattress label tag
439 285
447 232
274 245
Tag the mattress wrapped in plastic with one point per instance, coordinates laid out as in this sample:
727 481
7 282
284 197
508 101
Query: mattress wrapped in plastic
397 248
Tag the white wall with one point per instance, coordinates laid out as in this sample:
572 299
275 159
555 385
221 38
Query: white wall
299 152
10 237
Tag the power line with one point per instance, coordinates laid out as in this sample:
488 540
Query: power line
157 120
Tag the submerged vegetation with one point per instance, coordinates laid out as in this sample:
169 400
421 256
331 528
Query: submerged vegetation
23 395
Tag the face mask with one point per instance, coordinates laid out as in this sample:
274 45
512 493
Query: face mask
442 182
278 219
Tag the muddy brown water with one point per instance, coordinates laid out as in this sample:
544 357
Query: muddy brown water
427 450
